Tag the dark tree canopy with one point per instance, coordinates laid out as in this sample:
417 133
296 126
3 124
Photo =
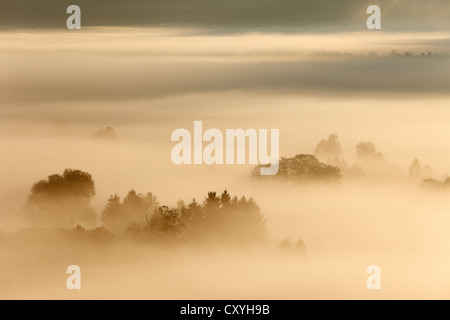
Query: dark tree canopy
165 224
305 167
416 172
62 200
105 134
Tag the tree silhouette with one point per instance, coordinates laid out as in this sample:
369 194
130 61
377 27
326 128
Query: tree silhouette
105 134
137 206
225 199
285 244
134 229
305 167
165 225
416 172
366 149
62 200
436 185
374 164
247 221
119 216
211 203
300 247
225 219
112 215
329 150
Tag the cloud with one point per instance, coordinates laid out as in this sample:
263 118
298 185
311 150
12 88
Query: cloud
42 67
215 13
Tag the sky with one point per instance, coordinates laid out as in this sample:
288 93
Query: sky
232 14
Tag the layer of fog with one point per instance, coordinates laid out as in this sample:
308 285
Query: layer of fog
52 104
346 228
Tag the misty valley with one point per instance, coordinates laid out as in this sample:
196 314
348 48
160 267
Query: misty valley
134 157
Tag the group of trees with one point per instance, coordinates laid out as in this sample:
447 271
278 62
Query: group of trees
105 134
304 167
410 54
328 150
224 218
63 201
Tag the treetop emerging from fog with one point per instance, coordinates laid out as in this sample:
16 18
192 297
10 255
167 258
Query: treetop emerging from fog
217 13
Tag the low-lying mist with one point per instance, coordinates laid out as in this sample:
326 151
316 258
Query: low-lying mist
107 103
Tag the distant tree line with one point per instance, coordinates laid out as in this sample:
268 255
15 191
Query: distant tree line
303 167
218 218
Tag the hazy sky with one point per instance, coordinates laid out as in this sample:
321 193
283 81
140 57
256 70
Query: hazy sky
148 67
230 13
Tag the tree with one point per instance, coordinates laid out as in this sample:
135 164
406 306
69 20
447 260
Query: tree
105 134
165 225
62 200
285 244
134 230
227 220
218 219
192 214
436 185
416 172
